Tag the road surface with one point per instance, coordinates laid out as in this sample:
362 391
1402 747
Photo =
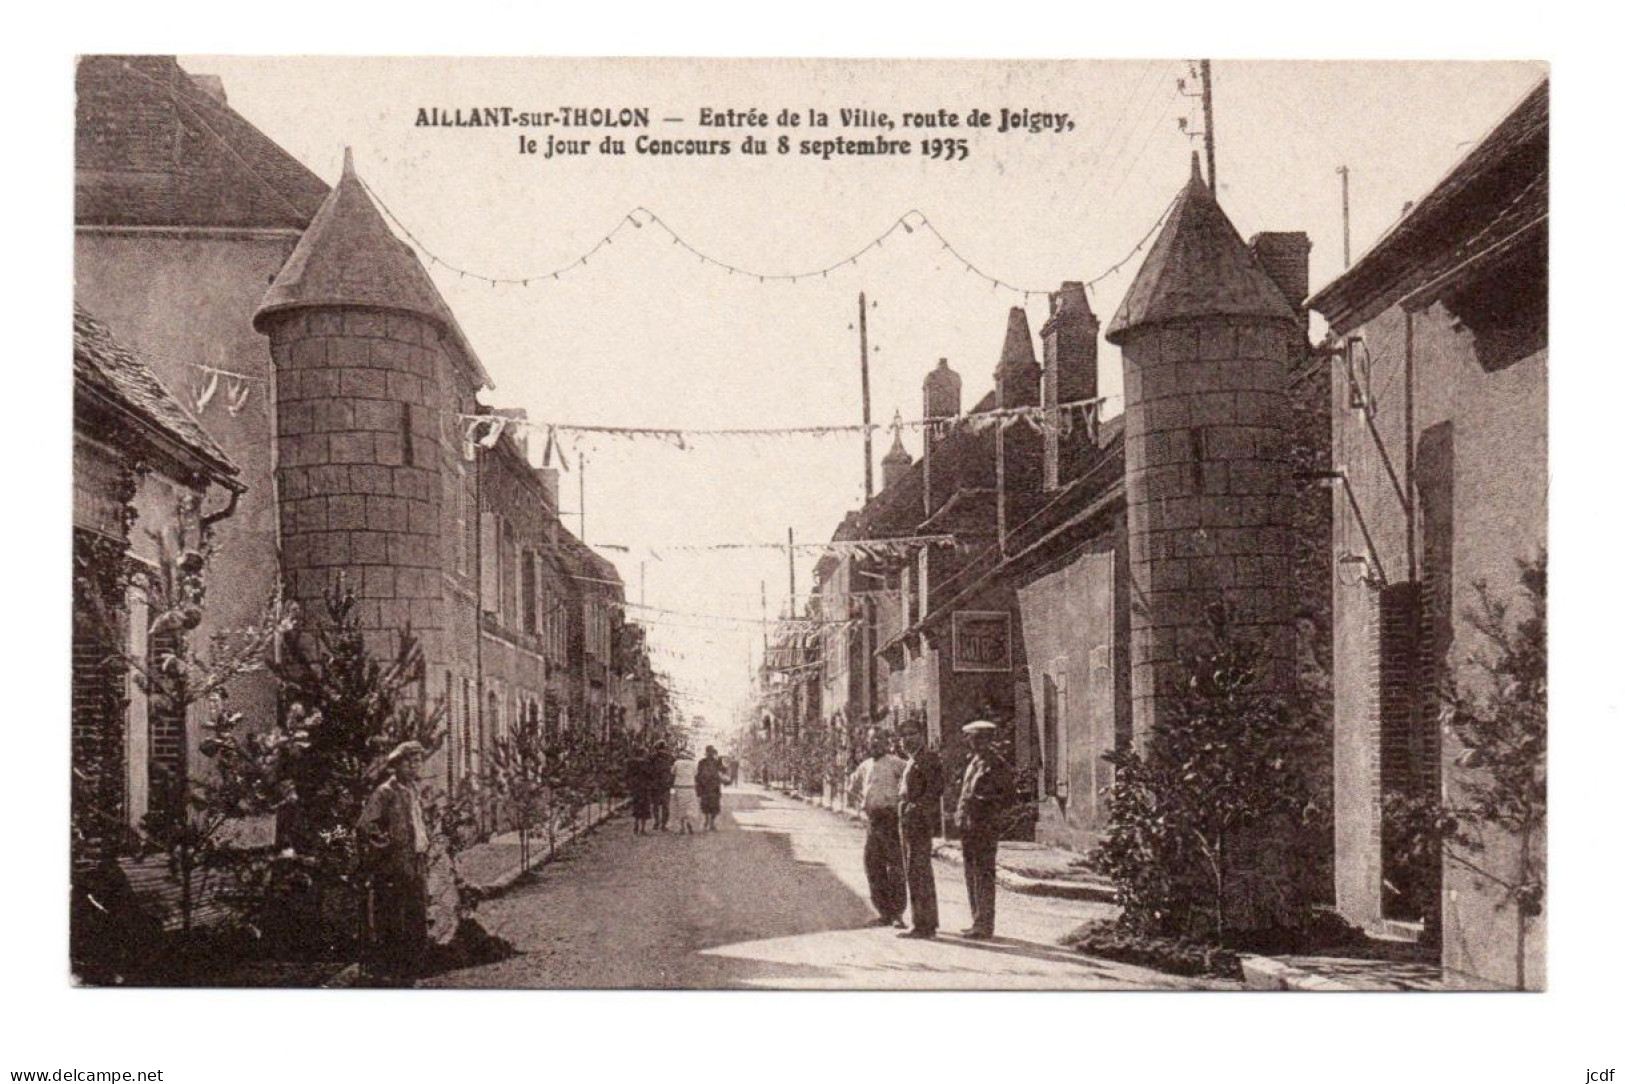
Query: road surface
775 899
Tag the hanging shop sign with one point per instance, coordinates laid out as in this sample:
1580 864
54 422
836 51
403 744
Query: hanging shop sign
981 641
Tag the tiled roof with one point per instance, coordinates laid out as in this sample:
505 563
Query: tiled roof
152 148
1497 193
103 363
1197 267
349 257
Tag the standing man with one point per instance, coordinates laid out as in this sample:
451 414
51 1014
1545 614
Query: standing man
984 799
662 774
395 848
880 779
918 812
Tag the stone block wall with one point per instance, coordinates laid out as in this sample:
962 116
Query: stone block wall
1207 431
359 466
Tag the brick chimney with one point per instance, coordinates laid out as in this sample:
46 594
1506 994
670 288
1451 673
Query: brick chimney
942 386
1071 338
1285 259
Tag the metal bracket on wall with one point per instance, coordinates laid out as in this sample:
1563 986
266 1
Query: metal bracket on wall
1379 578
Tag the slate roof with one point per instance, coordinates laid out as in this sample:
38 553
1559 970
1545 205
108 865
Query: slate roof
1497 193
1197 267
153 148
348 256
102 363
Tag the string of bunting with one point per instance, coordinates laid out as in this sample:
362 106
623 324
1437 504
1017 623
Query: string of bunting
484 430
910 222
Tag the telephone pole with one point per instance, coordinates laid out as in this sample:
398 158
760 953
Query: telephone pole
1343 171
790 552
581 496
868 439
1207 125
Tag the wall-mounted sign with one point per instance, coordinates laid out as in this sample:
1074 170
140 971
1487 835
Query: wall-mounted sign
981 641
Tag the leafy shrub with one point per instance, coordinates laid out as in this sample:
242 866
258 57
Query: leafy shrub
1231 784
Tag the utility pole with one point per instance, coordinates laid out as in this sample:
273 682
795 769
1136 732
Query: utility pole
764 622
790 552
868 439
643 583
1207 125
581 496
1343 171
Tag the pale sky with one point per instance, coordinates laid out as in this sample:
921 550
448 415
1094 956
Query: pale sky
645 335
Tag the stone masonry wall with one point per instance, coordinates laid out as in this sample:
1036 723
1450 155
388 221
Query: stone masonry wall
359 462
1209 500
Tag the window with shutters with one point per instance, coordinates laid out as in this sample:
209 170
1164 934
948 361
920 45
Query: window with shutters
527 591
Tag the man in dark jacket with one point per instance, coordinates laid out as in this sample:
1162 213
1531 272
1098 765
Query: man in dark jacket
984 800
918 812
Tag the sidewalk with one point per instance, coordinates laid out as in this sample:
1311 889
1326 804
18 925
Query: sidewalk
1033 869
494 865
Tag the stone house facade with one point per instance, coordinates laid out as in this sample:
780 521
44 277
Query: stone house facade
1438 400
345 397
143 470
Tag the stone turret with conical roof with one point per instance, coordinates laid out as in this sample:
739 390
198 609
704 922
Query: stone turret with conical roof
897 462
1206 337
365 354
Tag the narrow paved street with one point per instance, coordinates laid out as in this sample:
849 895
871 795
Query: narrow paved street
775 899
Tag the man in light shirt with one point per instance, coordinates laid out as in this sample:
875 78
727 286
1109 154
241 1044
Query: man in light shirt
879 780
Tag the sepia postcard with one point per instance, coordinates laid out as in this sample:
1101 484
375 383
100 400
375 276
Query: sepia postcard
809 524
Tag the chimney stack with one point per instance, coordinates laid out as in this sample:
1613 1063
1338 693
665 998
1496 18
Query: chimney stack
1071 338
1285 259
942 387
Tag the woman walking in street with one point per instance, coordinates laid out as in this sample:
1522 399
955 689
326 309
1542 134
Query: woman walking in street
683 805
708 786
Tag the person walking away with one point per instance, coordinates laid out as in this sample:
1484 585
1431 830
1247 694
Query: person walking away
395 848
637 786
684 805
708 786
660 783
918 809
984 799
879 781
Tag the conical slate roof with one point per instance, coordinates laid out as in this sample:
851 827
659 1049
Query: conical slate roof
898 453
348 257
1018 344
1197 267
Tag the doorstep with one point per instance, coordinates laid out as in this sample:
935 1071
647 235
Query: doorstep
1337 974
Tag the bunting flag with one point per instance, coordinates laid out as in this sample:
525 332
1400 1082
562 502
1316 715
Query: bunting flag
202 397
237 391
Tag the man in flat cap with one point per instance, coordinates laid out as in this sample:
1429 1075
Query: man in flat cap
984 800
395 849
